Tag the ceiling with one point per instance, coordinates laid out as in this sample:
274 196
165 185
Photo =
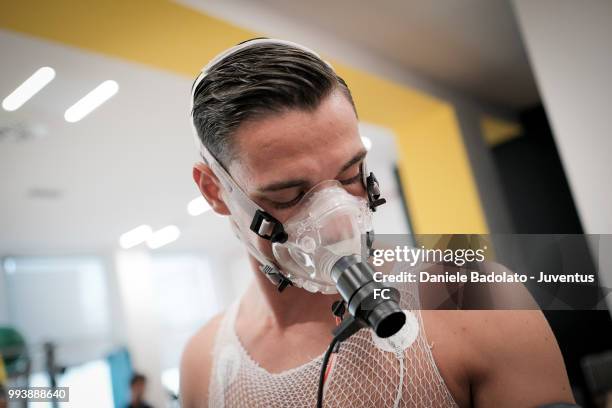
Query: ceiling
471 46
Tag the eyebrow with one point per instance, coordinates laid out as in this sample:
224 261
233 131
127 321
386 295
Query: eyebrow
293 183
356 159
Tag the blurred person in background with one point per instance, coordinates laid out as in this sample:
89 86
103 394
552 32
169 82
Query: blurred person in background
279 121
138 385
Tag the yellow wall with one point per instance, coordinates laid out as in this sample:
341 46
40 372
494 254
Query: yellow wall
439 180
437 177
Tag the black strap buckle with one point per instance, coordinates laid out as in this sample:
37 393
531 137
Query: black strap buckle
278 279
373 190
268 227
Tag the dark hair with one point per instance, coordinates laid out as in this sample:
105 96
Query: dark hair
137 378
254 82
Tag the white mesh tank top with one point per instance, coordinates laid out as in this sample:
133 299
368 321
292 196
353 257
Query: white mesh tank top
367 372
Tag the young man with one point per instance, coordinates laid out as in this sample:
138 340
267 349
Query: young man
277 120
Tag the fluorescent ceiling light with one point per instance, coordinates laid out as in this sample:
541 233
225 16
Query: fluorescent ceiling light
91 101
197 206
135 236
163 237
28 89
367 142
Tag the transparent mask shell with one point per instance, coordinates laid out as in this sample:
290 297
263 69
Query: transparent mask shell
329 224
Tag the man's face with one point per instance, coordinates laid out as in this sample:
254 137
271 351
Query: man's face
281 157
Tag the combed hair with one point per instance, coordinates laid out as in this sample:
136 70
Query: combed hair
254 82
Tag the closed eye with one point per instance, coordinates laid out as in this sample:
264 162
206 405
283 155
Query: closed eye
288 204
291 203
352 179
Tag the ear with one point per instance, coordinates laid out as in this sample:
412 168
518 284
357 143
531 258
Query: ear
210 187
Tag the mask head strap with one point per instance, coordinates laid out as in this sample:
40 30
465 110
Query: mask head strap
263 224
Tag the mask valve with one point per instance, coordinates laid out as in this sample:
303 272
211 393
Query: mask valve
373 190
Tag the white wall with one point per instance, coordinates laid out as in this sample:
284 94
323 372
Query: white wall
164 298
568 43
143 329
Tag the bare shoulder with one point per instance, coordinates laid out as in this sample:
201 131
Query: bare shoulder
505 357
498 335
196 363
521 362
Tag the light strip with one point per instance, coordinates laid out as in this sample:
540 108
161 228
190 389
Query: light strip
91 101
163 237
197 206
135 236
28 88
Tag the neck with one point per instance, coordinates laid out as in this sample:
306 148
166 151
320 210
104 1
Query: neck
292 306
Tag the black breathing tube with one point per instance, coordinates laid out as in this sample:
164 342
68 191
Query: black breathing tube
369 303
